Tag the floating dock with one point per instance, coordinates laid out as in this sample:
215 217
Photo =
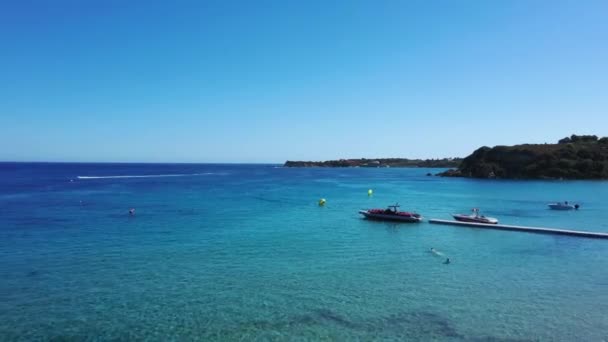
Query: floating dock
595 235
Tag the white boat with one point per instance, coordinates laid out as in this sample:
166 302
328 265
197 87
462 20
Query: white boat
475 217
391 214
563 206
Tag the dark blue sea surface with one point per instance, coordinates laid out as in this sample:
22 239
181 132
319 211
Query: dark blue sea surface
243 252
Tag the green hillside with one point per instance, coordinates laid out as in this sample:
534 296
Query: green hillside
576 157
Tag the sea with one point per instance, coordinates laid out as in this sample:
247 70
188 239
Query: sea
229 252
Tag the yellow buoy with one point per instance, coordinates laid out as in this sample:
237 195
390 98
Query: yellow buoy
370 192
322 202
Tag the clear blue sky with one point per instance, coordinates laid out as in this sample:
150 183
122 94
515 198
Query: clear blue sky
266 81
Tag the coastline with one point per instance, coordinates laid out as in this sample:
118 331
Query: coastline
379 163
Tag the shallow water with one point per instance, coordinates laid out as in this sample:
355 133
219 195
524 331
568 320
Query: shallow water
229 252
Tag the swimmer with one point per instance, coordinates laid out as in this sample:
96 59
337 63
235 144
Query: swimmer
132 211
447 261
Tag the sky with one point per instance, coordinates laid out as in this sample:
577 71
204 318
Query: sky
268 81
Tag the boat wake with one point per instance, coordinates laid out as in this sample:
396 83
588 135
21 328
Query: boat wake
436 252
149 176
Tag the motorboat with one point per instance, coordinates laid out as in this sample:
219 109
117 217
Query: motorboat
475 218
391 213
563 206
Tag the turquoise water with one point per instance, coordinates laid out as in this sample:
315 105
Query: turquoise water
243 252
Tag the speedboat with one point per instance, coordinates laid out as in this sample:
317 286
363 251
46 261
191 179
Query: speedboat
475 218
391 214
563 206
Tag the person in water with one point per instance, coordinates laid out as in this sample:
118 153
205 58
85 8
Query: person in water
447 261
132 211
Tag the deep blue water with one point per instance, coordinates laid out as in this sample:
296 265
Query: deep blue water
243 252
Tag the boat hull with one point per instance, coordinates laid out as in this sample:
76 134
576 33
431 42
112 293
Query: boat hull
475 219
391 217
561 207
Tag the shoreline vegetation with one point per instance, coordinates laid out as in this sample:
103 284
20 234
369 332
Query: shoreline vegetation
379 162
574 157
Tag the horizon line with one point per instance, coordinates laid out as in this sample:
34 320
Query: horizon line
216 163
130 162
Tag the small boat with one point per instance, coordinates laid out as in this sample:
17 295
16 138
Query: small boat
391 214
475 217
563 206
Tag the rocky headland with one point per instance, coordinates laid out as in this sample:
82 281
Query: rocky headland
574 157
